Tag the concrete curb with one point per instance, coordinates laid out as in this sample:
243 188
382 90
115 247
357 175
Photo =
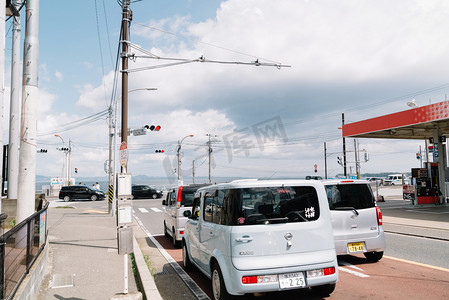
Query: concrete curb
150 290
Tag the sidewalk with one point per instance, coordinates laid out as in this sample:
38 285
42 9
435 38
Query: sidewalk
83 258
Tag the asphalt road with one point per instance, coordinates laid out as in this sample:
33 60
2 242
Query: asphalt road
405 272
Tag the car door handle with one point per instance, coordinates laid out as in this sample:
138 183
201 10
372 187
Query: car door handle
244 239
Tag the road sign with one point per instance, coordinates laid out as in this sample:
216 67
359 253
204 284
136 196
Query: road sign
123 153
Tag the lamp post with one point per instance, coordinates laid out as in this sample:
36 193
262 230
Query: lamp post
57 135
68 160
113 145
179 157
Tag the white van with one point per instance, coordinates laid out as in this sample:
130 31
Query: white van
396 179
356 219
176 202
262 236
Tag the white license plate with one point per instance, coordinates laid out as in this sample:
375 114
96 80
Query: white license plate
291 280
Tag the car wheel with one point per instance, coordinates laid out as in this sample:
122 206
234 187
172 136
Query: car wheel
93 197
154 196
175 242
324 290
218 287
373 256
67 198
185 258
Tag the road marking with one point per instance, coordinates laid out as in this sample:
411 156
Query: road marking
417 263
155 209
143 210
352 272
349 265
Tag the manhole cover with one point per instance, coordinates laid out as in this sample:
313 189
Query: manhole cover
62 281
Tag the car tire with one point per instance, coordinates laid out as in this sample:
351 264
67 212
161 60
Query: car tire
154 196
373 256
185 258
175 242
94 197
219 291
67 198
324 290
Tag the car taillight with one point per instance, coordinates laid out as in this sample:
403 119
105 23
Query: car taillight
178 200
379 216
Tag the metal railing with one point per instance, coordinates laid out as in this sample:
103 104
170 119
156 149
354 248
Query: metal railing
19 249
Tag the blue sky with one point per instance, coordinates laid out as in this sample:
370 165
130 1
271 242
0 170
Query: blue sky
363 58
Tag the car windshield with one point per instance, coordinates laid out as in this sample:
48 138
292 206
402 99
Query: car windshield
357 196
265 205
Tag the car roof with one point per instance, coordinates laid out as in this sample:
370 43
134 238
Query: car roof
344 181
253 183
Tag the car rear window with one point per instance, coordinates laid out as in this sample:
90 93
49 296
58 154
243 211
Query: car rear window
187 196
356 196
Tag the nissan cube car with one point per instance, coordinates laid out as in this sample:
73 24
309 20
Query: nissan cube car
261 236
356 219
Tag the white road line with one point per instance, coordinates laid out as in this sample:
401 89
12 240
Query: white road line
353 272
349 265
196 290
143 210
155 209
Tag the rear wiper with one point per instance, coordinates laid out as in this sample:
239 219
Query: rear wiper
272 220
347 208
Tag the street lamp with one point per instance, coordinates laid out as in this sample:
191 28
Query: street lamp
57 135
179 156
68 154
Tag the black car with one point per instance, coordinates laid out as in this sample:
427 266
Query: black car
144 191
80 192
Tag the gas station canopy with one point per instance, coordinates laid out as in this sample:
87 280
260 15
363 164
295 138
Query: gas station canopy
417 123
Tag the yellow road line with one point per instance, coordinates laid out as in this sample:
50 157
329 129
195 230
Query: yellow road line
417 263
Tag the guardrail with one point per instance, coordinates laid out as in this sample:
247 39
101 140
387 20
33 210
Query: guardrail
19 249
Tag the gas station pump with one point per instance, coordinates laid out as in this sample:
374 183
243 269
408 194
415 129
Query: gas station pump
427 184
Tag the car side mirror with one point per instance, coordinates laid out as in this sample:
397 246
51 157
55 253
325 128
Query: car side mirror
187 213
164 202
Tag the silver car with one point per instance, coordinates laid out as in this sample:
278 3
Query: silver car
356 219
262 236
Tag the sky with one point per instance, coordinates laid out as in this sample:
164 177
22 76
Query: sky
361 58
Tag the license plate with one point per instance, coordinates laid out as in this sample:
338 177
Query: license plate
356 247
291 280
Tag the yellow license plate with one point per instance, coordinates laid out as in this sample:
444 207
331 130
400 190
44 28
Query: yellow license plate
356 247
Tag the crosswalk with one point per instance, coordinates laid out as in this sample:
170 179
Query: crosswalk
144 210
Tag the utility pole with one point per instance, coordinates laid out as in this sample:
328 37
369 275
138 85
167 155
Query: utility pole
356 158
193 171
126 19
27 162
209 153
14 110
344 146
325 161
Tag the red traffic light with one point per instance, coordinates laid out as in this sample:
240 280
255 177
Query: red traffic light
159 151
153 127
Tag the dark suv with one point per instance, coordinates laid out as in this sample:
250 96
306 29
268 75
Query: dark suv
144 191
80 192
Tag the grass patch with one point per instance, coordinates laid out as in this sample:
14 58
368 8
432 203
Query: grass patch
136 273
148 262
65 206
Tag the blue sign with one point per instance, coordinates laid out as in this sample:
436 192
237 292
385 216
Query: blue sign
436 153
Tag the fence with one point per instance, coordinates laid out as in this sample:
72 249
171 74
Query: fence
19 249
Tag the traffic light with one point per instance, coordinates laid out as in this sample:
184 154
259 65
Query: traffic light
63 149
339 160
76 170
42 151
153 127
159 151
418 155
